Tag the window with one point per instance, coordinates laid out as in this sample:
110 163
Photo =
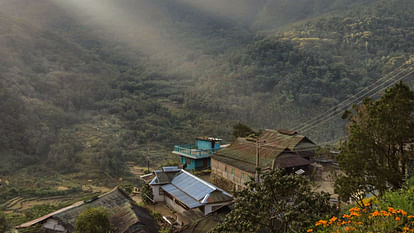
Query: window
188 160
232 171
161 192
242 176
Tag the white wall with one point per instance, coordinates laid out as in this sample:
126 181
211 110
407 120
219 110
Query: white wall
52 224
174 205
156 193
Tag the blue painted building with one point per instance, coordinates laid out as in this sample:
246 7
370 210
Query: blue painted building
197 156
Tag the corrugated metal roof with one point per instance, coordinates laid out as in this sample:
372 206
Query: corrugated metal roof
182 196
170 169
193 186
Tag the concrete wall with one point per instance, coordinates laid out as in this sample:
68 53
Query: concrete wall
232 174
171 203
199 163
195 164
54 226
203 145
191 165
207 145
156 193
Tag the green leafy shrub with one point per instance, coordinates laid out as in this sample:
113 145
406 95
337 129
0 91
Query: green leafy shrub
146 194
93 220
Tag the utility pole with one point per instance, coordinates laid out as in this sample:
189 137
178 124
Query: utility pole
257 160
148 158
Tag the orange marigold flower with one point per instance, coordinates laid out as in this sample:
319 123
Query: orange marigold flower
309 230
359 223
397 218
321 222
367 204
376 213
402 212
410 216
347 228
406 228
355 209
355 214
333 219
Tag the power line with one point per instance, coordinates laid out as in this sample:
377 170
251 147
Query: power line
305 129
361 91
378 83
360 101
344 106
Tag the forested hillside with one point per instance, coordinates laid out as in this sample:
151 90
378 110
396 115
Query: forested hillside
286 77
89 85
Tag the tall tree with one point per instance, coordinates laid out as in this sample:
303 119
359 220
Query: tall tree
376 154
241 130
93 220
280 203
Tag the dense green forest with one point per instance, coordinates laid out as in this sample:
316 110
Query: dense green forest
89 87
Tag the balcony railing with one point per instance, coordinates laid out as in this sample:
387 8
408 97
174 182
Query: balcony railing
192 151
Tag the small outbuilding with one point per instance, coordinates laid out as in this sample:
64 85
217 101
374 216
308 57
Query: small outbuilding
185 192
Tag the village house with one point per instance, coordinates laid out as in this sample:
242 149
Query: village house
125 216
283 149
186 193
198 156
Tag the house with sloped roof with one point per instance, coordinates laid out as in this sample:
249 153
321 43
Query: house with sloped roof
281 149
186 193
124 214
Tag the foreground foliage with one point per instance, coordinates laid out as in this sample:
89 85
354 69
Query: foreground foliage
281 203
365 220
377 153
146 194
393 212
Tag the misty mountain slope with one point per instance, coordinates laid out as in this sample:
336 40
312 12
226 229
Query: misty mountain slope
287 77
53 93
89 90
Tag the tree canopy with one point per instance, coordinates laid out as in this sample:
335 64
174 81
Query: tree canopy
280 203
376 155
241 130
93 220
